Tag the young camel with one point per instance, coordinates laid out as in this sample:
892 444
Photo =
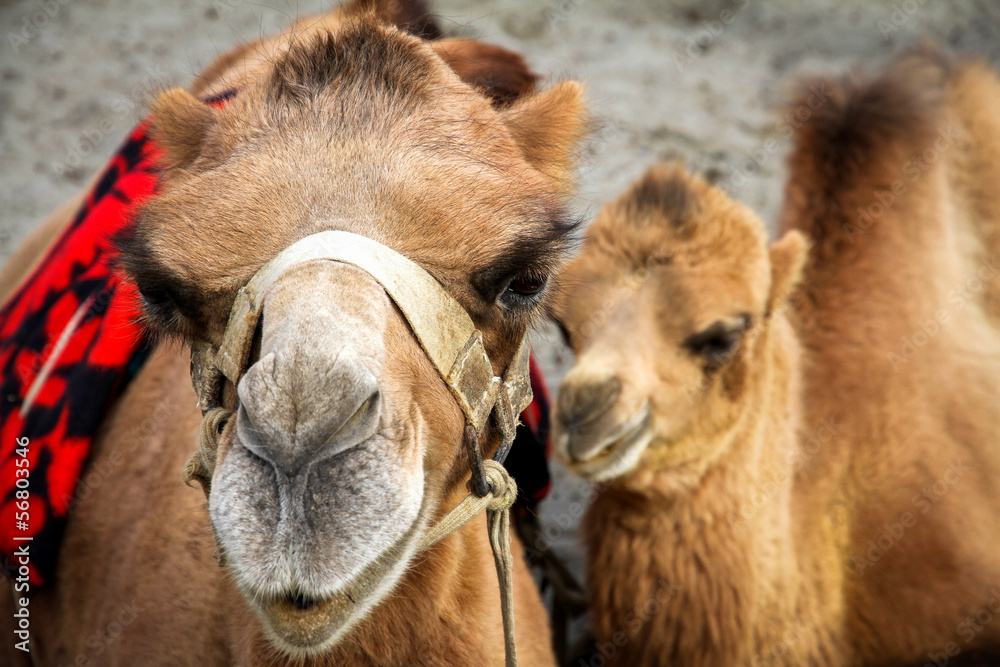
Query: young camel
776 488
343 123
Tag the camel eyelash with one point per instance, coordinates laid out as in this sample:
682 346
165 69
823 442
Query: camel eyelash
717 342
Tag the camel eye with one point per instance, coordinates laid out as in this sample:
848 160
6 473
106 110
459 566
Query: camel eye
526 284
716 343
156 301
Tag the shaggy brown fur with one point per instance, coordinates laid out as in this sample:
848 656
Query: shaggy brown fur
902 323
836 505
144 539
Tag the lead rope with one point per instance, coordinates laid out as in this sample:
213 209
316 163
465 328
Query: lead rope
497 503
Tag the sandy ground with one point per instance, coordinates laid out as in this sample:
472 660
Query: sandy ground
704 81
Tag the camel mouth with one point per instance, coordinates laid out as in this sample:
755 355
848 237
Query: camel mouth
304 624
301 623
619 454
313 554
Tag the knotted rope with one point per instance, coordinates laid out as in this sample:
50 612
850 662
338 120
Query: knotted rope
497 503
201 466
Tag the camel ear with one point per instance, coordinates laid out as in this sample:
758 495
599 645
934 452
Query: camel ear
548 126
499 73
788 260
180 125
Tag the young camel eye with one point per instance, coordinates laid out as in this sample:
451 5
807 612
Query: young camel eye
563 331
716 343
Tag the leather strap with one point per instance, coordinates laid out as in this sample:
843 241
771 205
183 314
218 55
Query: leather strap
445 331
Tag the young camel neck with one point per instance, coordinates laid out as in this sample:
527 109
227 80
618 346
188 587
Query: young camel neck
680 573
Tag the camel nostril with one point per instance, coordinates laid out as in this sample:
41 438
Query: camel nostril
366 413
585 402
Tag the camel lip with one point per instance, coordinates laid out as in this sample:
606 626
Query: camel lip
303 625
619 454
305 628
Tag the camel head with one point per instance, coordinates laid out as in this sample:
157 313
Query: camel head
346 444
664 307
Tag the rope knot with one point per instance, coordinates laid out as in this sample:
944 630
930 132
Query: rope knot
201 466
503 488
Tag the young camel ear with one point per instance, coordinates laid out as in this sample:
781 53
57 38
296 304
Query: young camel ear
548 127
180 124
788 259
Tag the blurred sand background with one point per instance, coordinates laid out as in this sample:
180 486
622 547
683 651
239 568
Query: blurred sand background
703 81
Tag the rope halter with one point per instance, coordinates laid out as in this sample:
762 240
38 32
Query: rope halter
447 336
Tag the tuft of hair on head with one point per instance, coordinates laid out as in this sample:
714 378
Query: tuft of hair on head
666 192
364 53
858 132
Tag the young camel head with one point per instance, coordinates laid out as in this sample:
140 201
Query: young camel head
346 443
665 308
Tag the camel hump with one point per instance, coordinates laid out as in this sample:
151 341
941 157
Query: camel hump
412 16
854 136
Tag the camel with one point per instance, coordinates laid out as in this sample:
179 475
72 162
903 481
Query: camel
774 486
346 443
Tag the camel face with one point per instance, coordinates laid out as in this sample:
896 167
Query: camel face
346 442
662 307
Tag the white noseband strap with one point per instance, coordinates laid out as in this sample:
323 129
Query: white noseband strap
443 328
